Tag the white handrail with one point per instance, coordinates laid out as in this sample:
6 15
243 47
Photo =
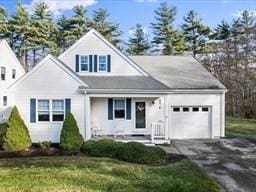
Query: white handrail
157 130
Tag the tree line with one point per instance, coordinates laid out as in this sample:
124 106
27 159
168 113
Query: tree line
228 51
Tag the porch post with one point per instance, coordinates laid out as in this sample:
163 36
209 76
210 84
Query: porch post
166 117
88 133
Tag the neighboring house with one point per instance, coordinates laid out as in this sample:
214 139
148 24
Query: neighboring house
10 70
142 98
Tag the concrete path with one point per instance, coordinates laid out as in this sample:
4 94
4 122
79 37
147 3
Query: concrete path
231 161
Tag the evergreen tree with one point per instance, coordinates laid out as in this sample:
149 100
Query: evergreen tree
43 38
16 136
138 42
163 29
108 29
64 30
222 31
4 31
195 33
20 25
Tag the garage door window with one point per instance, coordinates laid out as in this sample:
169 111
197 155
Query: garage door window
205 109
176 109
185 109
195 109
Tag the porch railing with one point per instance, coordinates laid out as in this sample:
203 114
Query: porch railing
157 131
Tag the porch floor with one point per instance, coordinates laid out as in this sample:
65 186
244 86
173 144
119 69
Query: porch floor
145 139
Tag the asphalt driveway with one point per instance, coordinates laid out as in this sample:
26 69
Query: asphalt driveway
231 161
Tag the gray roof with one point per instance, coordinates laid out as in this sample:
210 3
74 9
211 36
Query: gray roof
178 72
123 82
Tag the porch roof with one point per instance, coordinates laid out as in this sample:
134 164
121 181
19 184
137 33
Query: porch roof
123 82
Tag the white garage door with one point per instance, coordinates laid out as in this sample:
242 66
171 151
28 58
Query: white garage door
190 122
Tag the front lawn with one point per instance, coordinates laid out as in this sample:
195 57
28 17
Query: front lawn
80 173
237 127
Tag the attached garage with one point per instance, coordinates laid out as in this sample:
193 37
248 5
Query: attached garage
190 122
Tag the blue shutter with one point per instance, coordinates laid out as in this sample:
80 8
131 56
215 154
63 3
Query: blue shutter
109 63
110 109
128 108
90 63
32 110
67 106
95 63
77 63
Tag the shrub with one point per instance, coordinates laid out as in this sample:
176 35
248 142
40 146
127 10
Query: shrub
44 145
87 146
101 148
138 153
70 140
3 128
16 136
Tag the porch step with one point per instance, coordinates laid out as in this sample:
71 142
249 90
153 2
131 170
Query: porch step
146 142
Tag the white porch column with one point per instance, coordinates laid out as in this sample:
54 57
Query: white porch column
88 133
222 126
166 122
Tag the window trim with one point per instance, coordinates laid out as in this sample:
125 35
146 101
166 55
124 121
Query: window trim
50 111
98 63
88 63
3 74
114 116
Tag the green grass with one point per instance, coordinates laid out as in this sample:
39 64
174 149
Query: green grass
82 173
245 128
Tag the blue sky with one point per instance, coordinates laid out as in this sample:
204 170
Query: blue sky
130 12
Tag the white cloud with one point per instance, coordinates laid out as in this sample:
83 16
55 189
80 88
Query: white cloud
238 13
145 1
57 7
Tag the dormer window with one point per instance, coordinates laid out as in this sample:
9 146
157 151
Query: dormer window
102 66
84 63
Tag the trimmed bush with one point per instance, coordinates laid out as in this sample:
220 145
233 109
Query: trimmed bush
70 140
16 136
138 153
3 128
101 148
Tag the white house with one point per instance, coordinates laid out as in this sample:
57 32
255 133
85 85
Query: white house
11 70
144 98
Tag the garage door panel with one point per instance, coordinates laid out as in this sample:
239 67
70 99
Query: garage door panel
192 124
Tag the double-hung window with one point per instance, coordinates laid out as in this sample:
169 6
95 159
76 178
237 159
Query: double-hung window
13 73
84 63
102 66
119 108
57 110
43 110
3 73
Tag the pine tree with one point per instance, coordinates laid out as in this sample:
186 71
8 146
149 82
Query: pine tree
163 29
138 42
195 33
4 30
20 25
222 31
43 38
64 30
108 29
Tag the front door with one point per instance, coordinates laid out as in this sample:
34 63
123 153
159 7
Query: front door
140 115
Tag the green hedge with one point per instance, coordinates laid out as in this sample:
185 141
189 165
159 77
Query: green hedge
70 140
133 152
101 148
16 136
3 128
138 153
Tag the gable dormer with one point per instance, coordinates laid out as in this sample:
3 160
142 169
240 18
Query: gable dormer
94 55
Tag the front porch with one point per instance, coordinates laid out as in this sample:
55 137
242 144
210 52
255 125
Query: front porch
126 119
